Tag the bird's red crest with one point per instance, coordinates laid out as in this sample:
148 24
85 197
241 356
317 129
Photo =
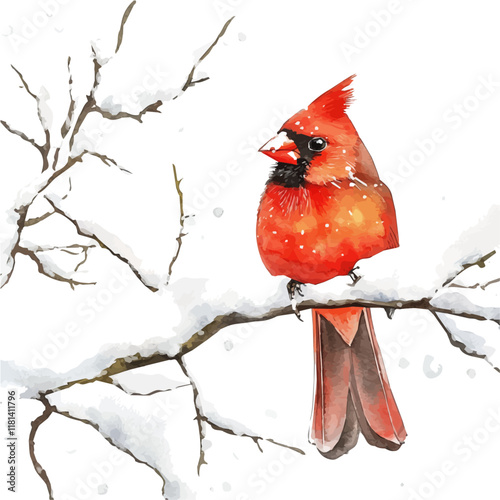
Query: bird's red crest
328 107
333 103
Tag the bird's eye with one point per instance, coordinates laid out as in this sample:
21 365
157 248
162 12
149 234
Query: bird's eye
317 144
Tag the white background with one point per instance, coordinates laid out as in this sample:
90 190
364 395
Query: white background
414 67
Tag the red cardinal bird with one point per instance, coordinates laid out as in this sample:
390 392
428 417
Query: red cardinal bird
323 209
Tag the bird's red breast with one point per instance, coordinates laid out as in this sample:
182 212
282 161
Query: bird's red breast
314 233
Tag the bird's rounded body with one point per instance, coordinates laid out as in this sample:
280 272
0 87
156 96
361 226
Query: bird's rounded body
314 232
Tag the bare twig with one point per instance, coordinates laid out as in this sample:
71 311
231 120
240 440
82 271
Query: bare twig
86 254
89 106
36 220
68 122
181 222
189 81
479 262
127 12
72 104
35 425
107 160
44 150
200 80
70 188
154 107
25 84
255 439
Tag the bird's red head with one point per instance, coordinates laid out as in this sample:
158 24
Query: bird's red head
323 137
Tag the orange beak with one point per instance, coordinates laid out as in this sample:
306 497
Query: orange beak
282 149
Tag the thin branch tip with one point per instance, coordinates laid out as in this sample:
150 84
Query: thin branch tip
180 194
125 17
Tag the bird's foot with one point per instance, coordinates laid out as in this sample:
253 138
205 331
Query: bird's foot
355 278
294 287
390 311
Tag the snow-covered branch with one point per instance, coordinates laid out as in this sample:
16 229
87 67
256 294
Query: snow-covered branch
84 232
200 418
43 119
203 420
333 294
42 113
22 135
67 414
47 267
16 217
363 294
